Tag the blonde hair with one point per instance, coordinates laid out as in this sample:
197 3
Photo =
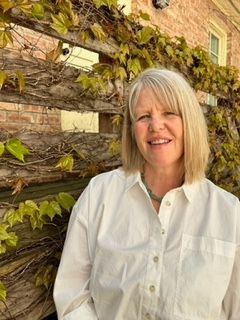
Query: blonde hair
173 91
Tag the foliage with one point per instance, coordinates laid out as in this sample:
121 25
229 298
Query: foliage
14 146
3 292
45 276
139 47
38 214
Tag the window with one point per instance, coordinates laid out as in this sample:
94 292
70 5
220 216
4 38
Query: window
76 121
218 50
79 57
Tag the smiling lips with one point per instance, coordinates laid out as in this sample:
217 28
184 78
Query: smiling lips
159 141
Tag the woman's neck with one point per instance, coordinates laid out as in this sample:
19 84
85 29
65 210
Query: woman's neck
161 181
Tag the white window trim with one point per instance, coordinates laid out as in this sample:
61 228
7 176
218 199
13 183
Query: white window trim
221 34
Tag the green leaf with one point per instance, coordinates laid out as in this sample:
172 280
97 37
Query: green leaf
31 206
84 80
36 221
117 120
147 57
3 78
38 11
144 16
3 249
124 48
56 207
98 32
49 209
13 217
99 3
145 35
21 81
3 232
115 147
134 66
2 148
66 163
106 3
169 51
6 5
12 240
121 73
15 147
5 38
61 23
44 276
25 6
66 201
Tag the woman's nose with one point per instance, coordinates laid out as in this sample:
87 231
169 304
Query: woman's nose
156 123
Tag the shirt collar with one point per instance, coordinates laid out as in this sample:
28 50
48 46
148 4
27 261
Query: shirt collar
132 179
189 189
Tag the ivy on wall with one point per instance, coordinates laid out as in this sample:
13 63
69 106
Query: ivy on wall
140 46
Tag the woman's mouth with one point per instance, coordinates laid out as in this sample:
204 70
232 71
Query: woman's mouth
159 141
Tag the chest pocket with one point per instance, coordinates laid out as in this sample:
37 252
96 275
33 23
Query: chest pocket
204 273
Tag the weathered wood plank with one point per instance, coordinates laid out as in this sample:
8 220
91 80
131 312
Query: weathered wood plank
47 149
52 85
109 47
19 267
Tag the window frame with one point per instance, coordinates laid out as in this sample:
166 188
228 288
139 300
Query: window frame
218 32
221 34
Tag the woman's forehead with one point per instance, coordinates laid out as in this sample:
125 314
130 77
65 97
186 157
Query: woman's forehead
149 99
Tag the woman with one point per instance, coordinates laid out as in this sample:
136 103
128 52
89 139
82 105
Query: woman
154 239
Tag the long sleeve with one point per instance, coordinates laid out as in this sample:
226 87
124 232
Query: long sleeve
231 303
71 290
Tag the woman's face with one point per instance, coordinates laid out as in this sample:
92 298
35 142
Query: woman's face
158 133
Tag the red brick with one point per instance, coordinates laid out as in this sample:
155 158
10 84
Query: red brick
190 19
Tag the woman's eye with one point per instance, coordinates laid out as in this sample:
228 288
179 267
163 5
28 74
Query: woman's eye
143 117
169 113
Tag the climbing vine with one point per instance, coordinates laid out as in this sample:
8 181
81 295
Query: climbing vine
140 46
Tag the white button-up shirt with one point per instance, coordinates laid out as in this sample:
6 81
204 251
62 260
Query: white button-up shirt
122 261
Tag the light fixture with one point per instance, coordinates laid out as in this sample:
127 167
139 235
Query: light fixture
160 4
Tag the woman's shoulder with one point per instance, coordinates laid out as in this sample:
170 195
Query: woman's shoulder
115 179
105 177
218 192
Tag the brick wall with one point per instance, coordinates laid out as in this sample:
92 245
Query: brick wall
190 19
18 117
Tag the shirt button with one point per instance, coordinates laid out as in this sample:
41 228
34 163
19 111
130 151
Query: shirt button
155 259
163 231
152 288
168 203
148 316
